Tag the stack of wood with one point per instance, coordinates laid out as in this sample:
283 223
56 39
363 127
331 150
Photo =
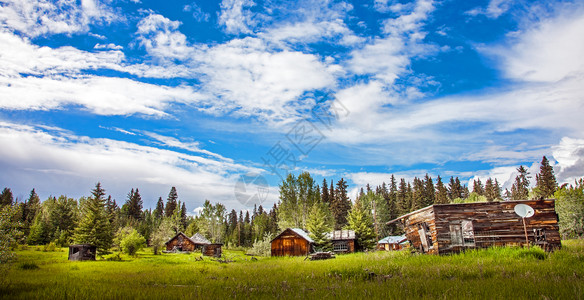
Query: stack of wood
321 255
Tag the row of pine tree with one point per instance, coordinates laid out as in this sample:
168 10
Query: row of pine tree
99 220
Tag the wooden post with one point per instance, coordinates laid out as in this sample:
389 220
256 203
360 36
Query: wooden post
525 230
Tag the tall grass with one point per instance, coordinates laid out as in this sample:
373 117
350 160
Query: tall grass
496 273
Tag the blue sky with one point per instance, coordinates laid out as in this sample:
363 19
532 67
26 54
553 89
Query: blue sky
195 94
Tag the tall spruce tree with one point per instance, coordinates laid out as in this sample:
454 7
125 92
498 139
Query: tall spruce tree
6 197
545 182
171 202
520 188
441 192
429 191
478 188
134 205
32 207
402 197
319 223
324 195
159 210
490 193
341 205
94 227
360 220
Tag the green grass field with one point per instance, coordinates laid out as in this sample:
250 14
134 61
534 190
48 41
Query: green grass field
501 273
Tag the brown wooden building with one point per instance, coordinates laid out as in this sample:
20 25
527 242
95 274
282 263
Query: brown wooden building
82 252
448 228
292 242
212 250
181 242
392 243
343 241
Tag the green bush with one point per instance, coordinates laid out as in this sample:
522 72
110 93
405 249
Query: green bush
133 243
50 247
28 266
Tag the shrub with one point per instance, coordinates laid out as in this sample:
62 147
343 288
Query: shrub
50 247
133 243
534 251
263 247
28 266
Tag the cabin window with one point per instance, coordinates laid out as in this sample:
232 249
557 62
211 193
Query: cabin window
341 246
462 234
539 235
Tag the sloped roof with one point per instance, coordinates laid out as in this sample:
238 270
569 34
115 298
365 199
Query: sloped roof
180 233
337 235
396 239
200 239
303 234
298 231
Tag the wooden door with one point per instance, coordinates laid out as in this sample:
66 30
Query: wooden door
288 246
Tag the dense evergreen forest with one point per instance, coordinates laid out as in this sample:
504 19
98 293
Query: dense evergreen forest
98 219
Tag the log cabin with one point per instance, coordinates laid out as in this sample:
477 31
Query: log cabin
181 242
343 241
392 243
292 242
451 228
82 252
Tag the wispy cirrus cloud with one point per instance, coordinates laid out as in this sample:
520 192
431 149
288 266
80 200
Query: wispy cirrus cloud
37 18
49 158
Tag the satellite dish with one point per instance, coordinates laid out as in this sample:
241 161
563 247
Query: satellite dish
524 211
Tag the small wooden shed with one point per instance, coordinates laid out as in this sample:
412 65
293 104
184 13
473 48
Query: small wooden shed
450 228
292 242
82 252
392 243
212 250
181 242
343 241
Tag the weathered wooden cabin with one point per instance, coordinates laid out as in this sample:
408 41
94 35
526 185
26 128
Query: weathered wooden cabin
200 241
82 252
448 228
392 243
181 242
212 250
343 241
292 242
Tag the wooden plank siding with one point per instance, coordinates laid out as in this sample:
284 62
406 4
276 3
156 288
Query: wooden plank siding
456 227
289 243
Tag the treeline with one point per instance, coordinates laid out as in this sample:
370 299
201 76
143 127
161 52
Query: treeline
303 203
99 220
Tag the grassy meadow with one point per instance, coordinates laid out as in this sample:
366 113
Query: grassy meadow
499 273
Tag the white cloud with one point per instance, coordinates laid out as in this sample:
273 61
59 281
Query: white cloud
189 146
19 56
161 38
36 18
254 81
100 95
109 46
494 9
311 31
236 17
57 162
569 154
387 58
198 14
548 51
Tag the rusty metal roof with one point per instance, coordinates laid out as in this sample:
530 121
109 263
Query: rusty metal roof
396 239
200 239
337 235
